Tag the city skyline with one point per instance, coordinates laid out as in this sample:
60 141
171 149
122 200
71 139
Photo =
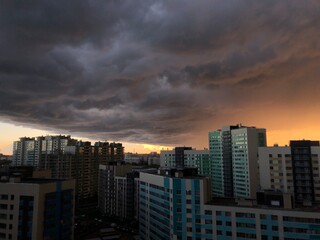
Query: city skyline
6 143
156 74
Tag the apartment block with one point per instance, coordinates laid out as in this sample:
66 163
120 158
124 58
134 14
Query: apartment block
38 152
177 205
234 161
293 169
116 187
275 169
188 157
24 152
68 158
36 209
109 152
170 205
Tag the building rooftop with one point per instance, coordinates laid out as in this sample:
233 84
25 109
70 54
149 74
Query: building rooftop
31 180
251 203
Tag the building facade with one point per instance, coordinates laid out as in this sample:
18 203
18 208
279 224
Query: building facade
234 161
24 152
68 158
293 169
115 189
37 209
169 207
191 158
38 152
175 206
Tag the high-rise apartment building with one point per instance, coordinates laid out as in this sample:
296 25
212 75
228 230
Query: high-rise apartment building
41 151
81 165
305 170
275 169
36 209
51 152
293 169
68 158
81 162
234 161
25 151
115 188
170 204
125 196
109 152
188 158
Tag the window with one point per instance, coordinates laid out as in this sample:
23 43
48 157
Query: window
263 216
246 235
4 197
245 225
208 212
274 217
245 215
3 206
219 232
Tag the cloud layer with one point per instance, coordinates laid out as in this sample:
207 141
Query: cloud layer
153 71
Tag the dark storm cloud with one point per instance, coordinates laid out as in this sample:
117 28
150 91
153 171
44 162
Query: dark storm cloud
150 71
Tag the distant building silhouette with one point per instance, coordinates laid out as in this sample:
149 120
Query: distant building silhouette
68 158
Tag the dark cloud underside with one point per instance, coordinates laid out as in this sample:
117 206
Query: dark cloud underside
153 71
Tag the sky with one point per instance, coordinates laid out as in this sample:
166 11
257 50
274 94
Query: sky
155 74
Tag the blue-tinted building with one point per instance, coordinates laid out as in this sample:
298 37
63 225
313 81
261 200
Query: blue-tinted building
178 205
170 204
